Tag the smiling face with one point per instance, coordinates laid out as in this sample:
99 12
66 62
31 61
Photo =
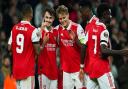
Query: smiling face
63 15
63 19
85 12
107 16
48 19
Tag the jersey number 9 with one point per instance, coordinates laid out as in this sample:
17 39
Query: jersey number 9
20 43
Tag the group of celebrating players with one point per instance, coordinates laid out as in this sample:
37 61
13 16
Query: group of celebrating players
83 53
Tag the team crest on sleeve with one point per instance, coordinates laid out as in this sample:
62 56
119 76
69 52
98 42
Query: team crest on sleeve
105 34
38 34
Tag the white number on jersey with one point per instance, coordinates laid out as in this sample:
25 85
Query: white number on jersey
94 37
20 43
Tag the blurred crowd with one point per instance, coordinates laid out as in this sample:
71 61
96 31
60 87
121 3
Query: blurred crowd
10 15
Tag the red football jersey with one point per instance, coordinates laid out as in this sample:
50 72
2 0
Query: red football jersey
22 36
47 63
96 34
69 49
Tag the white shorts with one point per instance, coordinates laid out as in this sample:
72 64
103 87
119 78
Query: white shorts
28 83
71 80
46 83
106 81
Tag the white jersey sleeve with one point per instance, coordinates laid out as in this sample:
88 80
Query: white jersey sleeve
10 39
35 35
104 37
81 35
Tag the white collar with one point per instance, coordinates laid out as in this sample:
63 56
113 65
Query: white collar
69 26
93 17
45 29
25 22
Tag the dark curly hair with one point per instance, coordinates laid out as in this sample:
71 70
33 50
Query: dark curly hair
101 9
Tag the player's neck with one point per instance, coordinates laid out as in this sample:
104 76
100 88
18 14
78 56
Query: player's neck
104 21
91 15
26 19
49 28
68 22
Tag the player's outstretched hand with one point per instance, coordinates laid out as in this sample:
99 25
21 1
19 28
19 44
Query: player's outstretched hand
81 75
45 38
72 34
125 52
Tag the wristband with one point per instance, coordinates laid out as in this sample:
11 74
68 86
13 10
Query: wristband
82 66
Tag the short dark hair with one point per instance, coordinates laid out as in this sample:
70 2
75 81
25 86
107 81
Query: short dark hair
26 9
101 9
85 3
50 10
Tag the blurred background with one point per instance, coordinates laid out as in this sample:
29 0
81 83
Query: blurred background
10 15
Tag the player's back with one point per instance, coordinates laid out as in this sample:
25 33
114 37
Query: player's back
96 65
23 50
93 43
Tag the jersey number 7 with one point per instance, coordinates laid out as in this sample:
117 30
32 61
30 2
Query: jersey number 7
94 37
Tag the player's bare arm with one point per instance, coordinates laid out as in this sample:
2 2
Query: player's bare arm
108 52
36 38
105 51
83 52
82 41
36 47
